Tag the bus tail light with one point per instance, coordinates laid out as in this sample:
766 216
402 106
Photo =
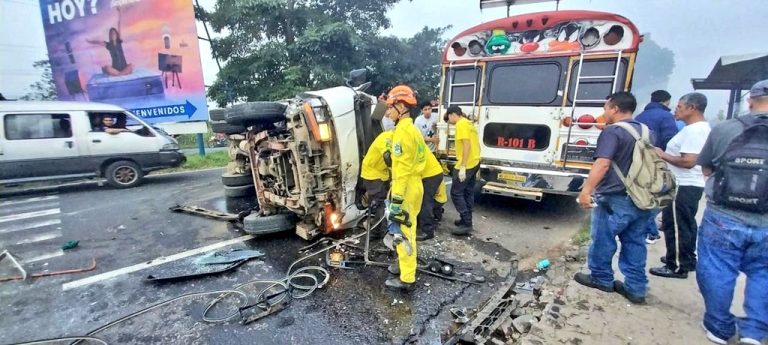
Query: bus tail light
581 142
567 122
586 121
600 122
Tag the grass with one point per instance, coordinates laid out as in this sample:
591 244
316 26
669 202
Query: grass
196 162
583 236
189 141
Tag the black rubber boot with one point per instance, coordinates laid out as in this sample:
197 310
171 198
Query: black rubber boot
397 284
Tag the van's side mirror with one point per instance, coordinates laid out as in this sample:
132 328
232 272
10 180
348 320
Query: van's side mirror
357 77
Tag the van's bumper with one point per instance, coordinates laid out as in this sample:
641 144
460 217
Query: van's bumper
172 159
529 183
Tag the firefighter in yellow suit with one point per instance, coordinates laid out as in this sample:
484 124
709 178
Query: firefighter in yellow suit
408 162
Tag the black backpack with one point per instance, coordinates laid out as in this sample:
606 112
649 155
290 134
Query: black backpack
741 179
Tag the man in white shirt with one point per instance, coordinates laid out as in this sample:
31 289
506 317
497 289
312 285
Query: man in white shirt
427 124
679 219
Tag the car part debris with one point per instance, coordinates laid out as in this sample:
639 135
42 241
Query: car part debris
228 256
208 213
90 267
273 309
460 315
7 254
169 277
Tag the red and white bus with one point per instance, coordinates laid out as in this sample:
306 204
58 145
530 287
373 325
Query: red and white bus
535 85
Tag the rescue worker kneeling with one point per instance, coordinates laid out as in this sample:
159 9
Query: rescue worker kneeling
374 174
408 161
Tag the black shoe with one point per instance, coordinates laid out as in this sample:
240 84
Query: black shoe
425 236
462 230
618 286
586 280
458 222
438 213
394 268
667 272
663 260
397 284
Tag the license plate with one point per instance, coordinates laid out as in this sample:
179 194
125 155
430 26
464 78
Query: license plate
511 177
578 153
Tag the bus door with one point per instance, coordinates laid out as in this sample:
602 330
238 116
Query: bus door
522 110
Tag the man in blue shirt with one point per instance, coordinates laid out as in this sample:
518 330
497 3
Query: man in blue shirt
659 119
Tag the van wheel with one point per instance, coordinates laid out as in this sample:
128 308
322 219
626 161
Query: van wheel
255 113
223 127
238 191
218 114
256 224
235 180
124 174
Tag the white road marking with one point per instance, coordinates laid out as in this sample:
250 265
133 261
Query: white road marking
22 201
26 226
44 256
155 262
27 207
28 215
35 238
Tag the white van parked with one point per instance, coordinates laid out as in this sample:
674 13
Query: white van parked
69 140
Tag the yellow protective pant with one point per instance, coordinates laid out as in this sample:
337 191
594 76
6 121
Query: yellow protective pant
411 204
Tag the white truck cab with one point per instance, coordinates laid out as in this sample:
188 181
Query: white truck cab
44 140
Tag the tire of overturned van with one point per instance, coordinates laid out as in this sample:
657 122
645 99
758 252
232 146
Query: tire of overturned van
256 224
124 174
223 127
218 114
255 113
239 191
237 180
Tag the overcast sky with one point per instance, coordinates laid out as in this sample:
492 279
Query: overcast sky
697 31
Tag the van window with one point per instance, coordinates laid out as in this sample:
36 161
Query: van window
525 84
37 126
597 89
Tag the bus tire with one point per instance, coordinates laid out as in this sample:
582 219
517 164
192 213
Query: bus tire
255 113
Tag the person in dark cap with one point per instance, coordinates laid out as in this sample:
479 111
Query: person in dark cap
465 170
733 236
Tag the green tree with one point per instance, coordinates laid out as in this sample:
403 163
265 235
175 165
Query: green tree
274 49
45 88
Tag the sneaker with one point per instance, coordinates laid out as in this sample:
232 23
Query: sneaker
713 338
586 280
462 230
618 285
651 239
667 272
397 284
663 259
394 268
749 341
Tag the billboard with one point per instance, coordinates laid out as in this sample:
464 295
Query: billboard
142 55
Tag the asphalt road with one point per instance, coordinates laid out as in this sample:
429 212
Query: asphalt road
121 229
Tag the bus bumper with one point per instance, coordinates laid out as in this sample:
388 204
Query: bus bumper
529 183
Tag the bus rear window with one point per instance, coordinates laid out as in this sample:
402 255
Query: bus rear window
600 88
517 136
521 84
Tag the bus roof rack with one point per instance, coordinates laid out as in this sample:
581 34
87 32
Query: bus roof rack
509 3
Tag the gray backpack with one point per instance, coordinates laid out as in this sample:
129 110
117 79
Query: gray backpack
649 182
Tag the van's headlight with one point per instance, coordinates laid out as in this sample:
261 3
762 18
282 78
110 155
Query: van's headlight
170 147
325 131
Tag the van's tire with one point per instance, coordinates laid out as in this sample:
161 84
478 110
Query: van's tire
223 127
124 174
255 113
236 180
239 191
256 224
218 114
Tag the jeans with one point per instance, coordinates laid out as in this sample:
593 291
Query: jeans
679 226
727 246
463 193
650 226
616 215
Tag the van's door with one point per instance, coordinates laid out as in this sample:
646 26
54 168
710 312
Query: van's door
136 142
39 144
520 118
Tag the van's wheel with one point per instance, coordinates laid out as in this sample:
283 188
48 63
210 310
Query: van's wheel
124 174
235 180
256 224
239 191
217 114
223 127
255 113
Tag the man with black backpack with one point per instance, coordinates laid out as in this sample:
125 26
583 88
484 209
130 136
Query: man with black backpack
733 236
619 208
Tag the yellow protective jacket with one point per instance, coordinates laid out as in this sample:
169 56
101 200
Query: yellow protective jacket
432 166
373 166
408 157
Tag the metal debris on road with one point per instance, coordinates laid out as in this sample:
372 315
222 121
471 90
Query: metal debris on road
207 213
228 256
90 267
